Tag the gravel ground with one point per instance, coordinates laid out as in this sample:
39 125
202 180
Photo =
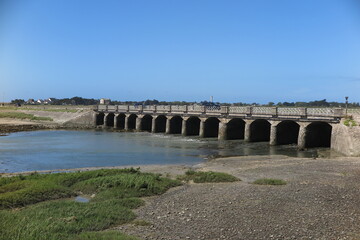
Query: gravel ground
320 201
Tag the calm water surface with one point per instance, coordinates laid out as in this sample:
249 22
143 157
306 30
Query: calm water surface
49 150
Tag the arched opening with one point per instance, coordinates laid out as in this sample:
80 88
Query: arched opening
260 131
132 121
110 120
287 132
146 123
175 125
211 127
160 123
120 121
193 126
100 119
235 129
318 134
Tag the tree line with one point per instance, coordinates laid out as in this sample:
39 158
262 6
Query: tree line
91 101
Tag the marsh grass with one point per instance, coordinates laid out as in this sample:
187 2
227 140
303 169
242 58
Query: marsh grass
46 212
20 115
207 177
269 181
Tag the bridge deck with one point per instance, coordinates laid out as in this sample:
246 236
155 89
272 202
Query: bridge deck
248 112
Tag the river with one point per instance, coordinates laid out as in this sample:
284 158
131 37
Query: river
63 149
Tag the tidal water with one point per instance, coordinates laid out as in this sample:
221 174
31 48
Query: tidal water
50 150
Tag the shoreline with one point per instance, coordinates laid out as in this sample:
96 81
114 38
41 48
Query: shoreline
168 168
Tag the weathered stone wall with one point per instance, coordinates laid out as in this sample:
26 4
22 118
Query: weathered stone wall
85 120
346 140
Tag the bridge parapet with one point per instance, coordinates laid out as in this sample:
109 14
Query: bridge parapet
229 111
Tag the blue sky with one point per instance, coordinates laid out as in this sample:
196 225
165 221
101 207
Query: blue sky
236 51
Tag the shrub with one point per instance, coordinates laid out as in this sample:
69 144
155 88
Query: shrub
203 177
269 181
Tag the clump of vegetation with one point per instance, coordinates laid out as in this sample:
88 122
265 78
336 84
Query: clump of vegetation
269 181
108 235
140 222
207 177
350 122
117 191
21 115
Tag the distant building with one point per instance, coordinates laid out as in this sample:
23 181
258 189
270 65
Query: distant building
105 101
30 101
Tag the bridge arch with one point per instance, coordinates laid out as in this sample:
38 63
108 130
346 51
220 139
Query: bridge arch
110 120
120 121
132 121
260 130
160 123
100 119
146 122
175 124
318 134
287 132
211 127
235 129
193 126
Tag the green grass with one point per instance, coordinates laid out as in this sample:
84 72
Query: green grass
20 115
46 212
207 177
350 122
8 108
269 181
51 109
140 222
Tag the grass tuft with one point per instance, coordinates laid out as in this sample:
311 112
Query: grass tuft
349 122
106 235
269 181
207 177
140 222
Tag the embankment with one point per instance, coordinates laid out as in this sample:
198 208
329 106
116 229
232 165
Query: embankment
346 139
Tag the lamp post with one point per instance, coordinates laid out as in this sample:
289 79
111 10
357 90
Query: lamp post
346 105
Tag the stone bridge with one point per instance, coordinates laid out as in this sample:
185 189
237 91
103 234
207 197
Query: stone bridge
306 127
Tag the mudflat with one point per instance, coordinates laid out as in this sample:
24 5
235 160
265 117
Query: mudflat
320 201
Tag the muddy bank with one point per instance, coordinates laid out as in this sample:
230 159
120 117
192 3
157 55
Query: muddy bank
6 129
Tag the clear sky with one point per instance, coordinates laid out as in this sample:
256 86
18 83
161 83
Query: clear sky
236 51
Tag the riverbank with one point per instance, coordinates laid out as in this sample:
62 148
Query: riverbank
320 201
54 117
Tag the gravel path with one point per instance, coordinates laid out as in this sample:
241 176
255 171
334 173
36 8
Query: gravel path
320 201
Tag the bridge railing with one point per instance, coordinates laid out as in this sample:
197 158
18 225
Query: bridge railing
226 110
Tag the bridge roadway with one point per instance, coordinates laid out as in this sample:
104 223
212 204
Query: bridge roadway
306 127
